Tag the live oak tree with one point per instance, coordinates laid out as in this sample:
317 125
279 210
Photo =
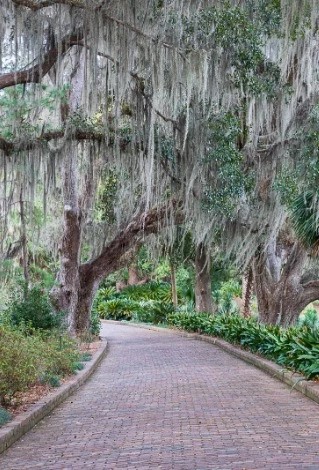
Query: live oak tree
192 106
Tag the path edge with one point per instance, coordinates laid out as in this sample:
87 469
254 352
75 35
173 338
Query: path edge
16 428
295 381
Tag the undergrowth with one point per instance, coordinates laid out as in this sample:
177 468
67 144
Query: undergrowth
28 356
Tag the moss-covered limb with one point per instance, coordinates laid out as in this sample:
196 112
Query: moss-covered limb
39 4
44 64
29 144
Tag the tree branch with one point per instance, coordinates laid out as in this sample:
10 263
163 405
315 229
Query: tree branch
38 5
141 225
35 73
137 78
97 6
311 291
294 263
78 134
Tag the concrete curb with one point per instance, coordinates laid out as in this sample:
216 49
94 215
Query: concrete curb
13 430
296 381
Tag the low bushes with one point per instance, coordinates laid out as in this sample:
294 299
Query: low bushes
5 416
296 348
32 306
28 356
149 311
149 303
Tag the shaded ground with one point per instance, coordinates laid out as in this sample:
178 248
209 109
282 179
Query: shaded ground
160 401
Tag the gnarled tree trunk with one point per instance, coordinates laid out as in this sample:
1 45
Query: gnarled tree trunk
66 293
77 284
281 286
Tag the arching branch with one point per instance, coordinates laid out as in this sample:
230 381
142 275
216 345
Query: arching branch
141 225
78 135
35 73
311 291
94 6
38 5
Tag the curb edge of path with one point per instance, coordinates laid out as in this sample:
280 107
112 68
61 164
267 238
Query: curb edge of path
16 428
296 381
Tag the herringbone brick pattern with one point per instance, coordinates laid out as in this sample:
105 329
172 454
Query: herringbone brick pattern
160 401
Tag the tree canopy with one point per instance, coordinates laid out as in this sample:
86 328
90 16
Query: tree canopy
122 118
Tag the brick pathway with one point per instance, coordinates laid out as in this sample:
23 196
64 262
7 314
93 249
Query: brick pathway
160 401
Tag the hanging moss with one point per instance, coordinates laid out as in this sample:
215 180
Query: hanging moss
148 72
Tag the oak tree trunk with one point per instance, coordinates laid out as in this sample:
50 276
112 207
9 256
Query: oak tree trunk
133 277
248 285
24 242
203 289
77 284
281 289
173 284
65 294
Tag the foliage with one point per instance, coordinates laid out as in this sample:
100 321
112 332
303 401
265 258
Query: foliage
19 362
60 354
217 27
185 284
286 184
223 296
226 163
5 416
309 319
115 309
20 109
52 380
86 356
305 219
149 311
153 290
27 356
95 323
150 303
296 348
33 307
42 276
106 198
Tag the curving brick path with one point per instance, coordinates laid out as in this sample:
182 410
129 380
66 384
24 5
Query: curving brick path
161 401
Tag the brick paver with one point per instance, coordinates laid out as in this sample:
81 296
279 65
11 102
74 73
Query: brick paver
160 401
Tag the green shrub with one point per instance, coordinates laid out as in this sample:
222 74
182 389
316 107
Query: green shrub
34 309
52 380
224 296
85 357
27 359
78 366
19 362
309 319
5 416
152 311
60 355
149 303
95 323
116 309
153 290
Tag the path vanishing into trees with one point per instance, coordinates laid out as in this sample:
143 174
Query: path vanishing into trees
162 401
